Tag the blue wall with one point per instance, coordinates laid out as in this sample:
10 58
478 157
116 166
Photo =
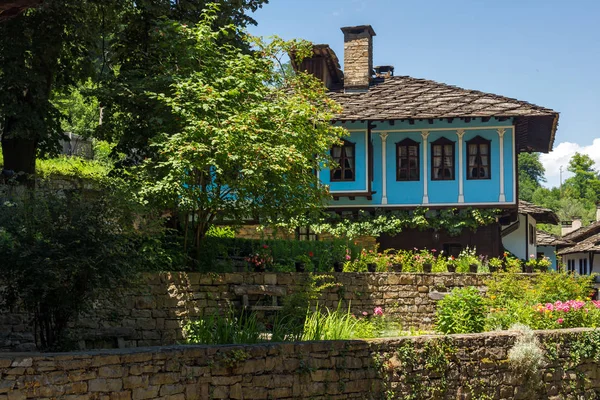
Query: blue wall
439 192
550 252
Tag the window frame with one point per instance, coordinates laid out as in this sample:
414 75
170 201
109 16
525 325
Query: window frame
304 233
442 141
408 142
478 140
342 167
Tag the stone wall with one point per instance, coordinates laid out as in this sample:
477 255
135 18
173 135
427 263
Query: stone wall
427 367
152 312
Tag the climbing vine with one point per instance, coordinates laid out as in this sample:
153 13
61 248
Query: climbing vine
365 223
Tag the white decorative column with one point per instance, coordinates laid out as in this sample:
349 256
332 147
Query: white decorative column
424 135
384 199
501 132
461 196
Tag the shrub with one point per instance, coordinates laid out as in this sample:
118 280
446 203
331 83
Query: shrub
462 311
58 253
526 356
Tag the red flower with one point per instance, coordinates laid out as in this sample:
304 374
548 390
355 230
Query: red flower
310 254
265 246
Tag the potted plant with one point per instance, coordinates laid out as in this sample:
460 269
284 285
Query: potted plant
468 260
495 264
301 262
426 259
338 266
530 264
543 264
260 259
451 264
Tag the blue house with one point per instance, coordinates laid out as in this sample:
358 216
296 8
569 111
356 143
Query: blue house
419 143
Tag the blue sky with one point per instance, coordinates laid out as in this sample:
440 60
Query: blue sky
546 52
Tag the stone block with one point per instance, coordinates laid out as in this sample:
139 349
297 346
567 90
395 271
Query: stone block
105 385
148 392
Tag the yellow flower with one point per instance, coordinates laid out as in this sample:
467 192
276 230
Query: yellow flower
493 297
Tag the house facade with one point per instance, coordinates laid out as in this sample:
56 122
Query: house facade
521 236
582 256
419 143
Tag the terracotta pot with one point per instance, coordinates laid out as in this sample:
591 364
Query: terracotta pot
338 266
299 266
371 267
427 268
397 267
473 268
451 268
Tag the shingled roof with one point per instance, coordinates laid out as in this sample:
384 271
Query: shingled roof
583 233
591 244
541 214
547 239
404 97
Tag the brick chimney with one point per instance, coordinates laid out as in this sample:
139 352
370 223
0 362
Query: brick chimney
358 57
565 227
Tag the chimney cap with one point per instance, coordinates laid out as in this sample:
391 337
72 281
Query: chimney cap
359 29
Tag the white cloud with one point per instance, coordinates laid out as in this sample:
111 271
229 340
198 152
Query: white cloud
561 155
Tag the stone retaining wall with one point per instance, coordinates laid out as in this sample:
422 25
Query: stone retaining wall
427 367
153 312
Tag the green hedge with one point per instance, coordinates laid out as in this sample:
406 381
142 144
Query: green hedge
221 254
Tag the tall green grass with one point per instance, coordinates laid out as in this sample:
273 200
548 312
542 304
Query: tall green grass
329 325
230 328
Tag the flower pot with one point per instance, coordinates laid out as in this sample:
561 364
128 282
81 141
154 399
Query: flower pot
493 268
299 266
528 269
371 267
338 266
473 268
427 268
451 268
397 267
259 268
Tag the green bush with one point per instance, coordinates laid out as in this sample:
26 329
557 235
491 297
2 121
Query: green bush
462 311
59 252
218 251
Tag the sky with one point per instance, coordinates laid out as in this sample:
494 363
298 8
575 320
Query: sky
546 52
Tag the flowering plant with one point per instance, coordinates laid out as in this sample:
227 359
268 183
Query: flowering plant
568 314
424 256
262 258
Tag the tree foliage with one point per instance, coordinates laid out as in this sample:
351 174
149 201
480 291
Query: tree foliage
239 139
531 174
59 252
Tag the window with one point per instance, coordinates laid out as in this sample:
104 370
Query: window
407 160
571 265
478 160
344 156
442 160
305 233
531 234
583 269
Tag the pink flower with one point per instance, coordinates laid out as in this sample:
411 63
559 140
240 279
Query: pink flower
365 313
348 257
560 320
531 256
433 250
378 311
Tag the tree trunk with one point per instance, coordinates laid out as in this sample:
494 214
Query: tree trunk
19 154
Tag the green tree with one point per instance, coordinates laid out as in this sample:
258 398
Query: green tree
531 174
49 50
585 184
46 49
246 139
